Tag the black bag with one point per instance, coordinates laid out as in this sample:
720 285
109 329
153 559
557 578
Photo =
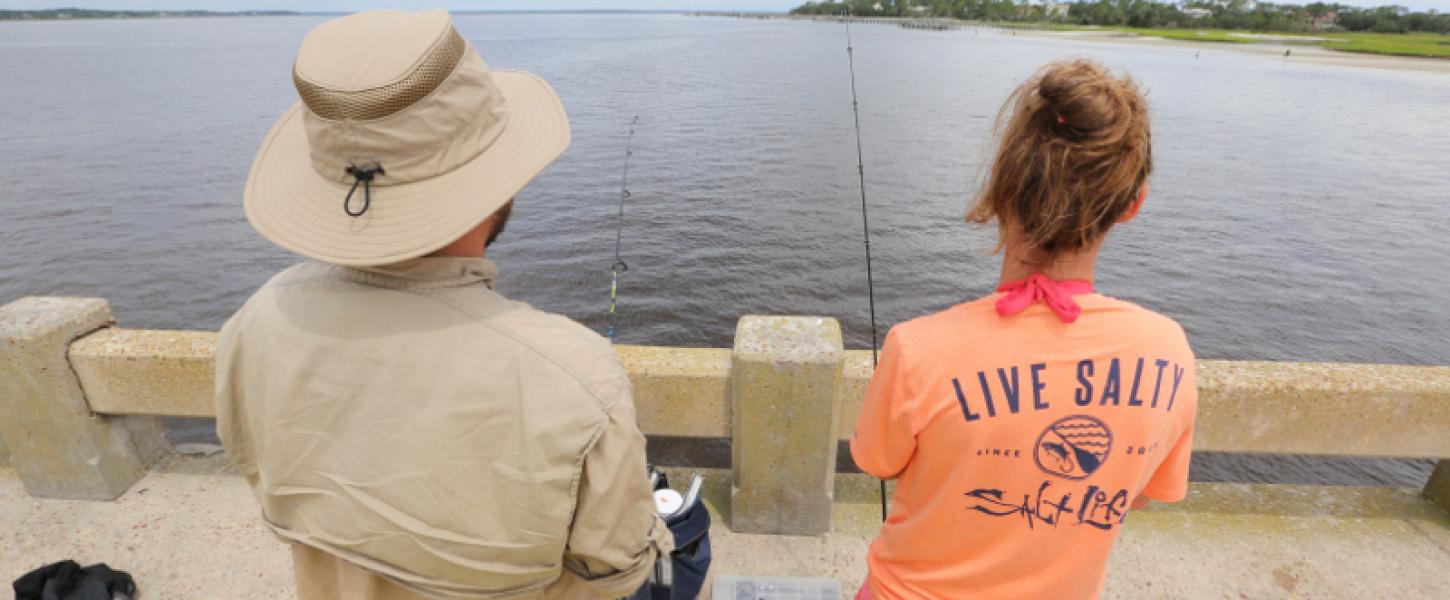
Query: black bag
682 575
66 580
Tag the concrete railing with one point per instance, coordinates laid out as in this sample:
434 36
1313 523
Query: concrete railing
79 403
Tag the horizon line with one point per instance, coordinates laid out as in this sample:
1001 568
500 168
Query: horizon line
451 10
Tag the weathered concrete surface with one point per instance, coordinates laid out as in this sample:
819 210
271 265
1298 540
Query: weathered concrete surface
1265 541
680 391
785 397
1321 408
128 371
190 530
58 447
856 378
1266 407
1224 541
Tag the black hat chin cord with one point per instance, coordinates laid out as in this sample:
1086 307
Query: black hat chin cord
362 176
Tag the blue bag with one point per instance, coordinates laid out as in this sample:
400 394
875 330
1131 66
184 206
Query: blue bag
681 576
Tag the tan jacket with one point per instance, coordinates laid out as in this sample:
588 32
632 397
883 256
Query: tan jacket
410 421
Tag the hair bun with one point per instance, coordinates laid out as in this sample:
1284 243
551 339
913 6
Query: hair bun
1084 97
1074 156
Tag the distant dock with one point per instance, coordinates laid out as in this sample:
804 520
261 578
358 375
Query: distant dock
932 24
923 23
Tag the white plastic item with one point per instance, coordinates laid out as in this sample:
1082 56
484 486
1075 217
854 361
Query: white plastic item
668 502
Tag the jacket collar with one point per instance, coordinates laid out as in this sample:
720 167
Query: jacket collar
429 272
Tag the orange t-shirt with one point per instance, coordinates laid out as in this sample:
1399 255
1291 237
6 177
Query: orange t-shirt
1019 443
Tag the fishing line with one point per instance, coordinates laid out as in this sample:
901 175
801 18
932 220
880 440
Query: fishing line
865 218
619 264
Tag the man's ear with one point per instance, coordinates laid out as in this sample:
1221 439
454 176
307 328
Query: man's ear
1136 206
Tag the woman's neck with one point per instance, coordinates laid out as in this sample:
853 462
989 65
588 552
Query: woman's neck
1076 265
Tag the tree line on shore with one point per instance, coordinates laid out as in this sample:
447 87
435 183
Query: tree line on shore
50 14
1207 14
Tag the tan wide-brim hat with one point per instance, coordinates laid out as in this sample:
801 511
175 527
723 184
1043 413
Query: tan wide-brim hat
403 142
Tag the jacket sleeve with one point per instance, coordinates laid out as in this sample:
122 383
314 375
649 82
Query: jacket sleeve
885 438
231 420
616 535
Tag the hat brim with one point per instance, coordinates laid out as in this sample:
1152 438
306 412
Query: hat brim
294 206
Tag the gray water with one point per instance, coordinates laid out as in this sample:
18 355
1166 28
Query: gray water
1297 210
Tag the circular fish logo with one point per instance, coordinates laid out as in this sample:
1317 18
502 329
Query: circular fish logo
1074 447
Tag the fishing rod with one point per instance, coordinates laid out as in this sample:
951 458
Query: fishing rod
619 264
865 216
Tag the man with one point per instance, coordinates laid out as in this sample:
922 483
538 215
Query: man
410 432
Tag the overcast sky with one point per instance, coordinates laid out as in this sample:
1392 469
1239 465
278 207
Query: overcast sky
344 5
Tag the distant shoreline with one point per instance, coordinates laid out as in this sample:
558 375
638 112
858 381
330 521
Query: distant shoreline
74 14
1298 52
1389 45
85 14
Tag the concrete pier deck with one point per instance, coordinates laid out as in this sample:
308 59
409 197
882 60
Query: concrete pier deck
190 529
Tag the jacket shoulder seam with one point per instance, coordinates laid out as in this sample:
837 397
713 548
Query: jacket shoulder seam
604 407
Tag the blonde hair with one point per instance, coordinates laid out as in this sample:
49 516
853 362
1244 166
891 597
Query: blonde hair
1073 158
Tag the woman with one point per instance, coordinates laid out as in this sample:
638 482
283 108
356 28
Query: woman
1022 427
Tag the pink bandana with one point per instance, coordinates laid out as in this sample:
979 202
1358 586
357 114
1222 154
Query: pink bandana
1056 294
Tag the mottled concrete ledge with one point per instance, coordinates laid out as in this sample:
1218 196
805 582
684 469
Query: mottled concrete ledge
191 528
129 371
1266 407
680 391
859 368
1324 408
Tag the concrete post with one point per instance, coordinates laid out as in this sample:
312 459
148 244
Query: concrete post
58 447
1438 489
785 382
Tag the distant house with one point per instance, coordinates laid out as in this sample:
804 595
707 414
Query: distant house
877 7
1055 10
1325 21
1197 13
919 10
